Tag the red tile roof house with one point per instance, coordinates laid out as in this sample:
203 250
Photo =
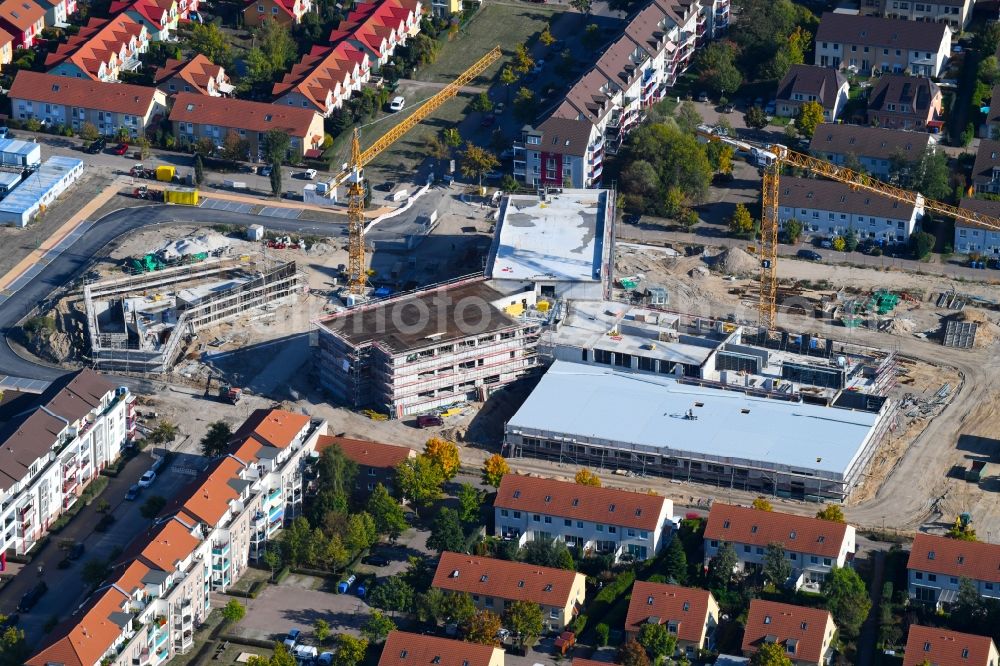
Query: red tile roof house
589 519
286 12
940 647
405 649
814 546
869 43
904 102
807 83
494 584
72 102
806 633
324 78
6 47
159 16
378 28
57 11
24 19
690 614
197 75
986 168
377 462
101 50
937 565
196 116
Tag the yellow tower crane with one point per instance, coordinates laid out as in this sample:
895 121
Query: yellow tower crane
774 156
359 158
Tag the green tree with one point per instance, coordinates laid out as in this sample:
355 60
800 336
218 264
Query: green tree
94 571
216 440
89 132
277 44
295 540
630 653
551 553
377 627
470 503
932 176
446 533
676 159
810 116
546 37
451 137
321 630
850 241
777 568
601 634
688 118
233 611
199 170
961 530
276 145
755 118
350 650
921 243
361 532
483 628
482 103
209 40
443 453
847 600
494 470
525 104
675 564
716 67
582 6
770 654
392 594
336 473
721 567
591 37
152 507
164 433
657 641
508 77
741 223
272 558
793 230
419 480
389 517
524 621
476 162
13 648
275 178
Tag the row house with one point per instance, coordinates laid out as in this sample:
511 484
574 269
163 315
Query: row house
691 615
198 75
905 102
378 28
942 647
324 78
806 634
991 129
976 238
72 102
285 12
876 149
808 83
567 149
937 565
827 208
589 519
405 649
6 48
195 117
24 19
160 589
986 168
868 44
494 584
955 13
813 546
377 462
101 50
55 444
58 11
159 17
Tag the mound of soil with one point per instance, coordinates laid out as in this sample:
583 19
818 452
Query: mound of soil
735 261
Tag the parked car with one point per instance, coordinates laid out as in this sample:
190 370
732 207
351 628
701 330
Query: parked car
810 255
146 480
32 596
4 132
76 552
376 560
325 659
826 243
97 146
728 108
539 65
133 492
703 97
292 638
309 174
121 149
387 186
498 109
397 103
265 171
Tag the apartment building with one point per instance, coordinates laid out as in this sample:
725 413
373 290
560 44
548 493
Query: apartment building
937 565
195 117
875 148
567 148
6 48
588 519
198 75
691 615
405 649
986 168
813 546
55 444
495 584
808 83
61 100
24 19
377 28
159 17
867 44
975 238
324 79
57 11
806 633
286 12
905 102
101 50
376 461
828 208
415 352
955 13
160 589
941 647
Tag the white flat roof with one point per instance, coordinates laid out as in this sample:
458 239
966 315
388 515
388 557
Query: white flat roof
595 403
36 186
560 239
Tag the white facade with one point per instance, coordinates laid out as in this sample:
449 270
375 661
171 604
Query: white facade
826 222
976 239
868 53
39 190
812 568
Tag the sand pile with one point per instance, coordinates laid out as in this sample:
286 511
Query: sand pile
735 261
698 272
901 326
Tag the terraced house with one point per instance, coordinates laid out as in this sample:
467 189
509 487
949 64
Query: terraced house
286 12
806 634
54 444
24 19
377 28
691 615
938 564
495 584
867 44
905 102
57 11
101 50
589 519
324 78
875 148
941 647
159 17
956 13
197 75
160 589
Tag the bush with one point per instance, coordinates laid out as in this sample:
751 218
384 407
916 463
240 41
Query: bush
601 632
607 597
282 575
40 324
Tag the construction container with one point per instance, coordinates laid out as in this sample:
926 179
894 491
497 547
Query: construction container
181 195
165 173
542 306
255 232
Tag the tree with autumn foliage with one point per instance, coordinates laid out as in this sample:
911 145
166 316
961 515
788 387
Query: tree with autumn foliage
444 454
483 628
494 470
762 504
587 478
632 654
832 512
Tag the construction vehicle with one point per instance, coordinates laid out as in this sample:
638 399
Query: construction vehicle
143 192
230 394
353 174
139 171
771 158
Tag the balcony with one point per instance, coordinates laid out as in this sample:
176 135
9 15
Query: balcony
219 549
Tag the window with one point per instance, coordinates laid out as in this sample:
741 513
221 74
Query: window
260 9
599 527
568 523
760 551
504 512
631 533
814 559
579 524
649 600
612 529
827 561
517 514
715 543
548 520
536 518
932 577
746 549
554 614
919 575
643 534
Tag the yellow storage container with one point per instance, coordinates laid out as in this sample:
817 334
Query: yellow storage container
165 173
542 306
178 195
514 309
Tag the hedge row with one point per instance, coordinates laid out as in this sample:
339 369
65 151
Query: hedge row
608 597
